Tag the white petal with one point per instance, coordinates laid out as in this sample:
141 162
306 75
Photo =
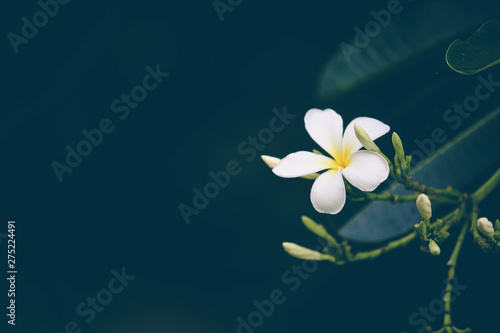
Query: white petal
328 192
366 170
375 129
303 163
326 127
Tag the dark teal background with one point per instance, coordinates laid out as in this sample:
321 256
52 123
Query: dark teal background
119 207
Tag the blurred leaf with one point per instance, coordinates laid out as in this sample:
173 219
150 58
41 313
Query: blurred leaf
478 52
400 44
459 164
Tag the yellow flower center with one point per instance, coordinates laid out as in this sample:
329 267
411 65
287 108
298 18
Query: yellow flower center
340 162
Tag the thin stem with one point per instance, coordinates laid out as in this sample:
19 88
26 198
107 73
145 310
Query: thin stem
416 186
486 188
384 249
447 322
453 218
477 236
398 198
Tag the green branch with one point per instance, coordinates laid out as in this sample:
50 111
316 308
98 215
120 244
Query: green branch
486 188
399 198
447 322
384 249
416 186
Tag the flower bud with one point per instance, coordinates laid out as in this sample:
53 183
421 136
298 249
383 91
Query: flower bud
397 166
398 147
439 225
423 228
365 139
485 226
270 160
422 231
318 229
300 252
442 236
424 206
434 248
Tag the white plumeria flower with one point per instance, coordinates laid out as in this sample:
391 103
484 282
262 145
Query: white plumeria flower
364 169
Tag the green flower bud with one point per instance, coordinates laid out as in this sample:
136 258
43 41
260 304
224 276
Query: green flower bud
301 252
485 226
424 206
397 166
423 228
398 147
434 248
439 224
318 229
422 231
441 237
365 140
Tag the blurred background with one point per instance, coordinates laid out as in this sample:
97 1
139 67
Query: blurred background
229 65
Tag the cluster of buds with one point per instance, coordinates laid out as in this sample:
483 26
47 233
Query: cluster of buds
492 234
430 237
401 167
401 162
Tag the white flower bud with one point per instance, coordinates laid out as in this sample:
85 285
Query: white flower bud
270 160
424 206
434 248
485 226
301 252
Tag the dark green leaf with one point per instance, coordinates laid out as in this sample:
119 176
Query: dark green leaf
397 46
459 164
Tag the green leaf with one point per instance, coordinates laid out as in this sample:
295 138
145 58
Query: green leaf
478 52
469 156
